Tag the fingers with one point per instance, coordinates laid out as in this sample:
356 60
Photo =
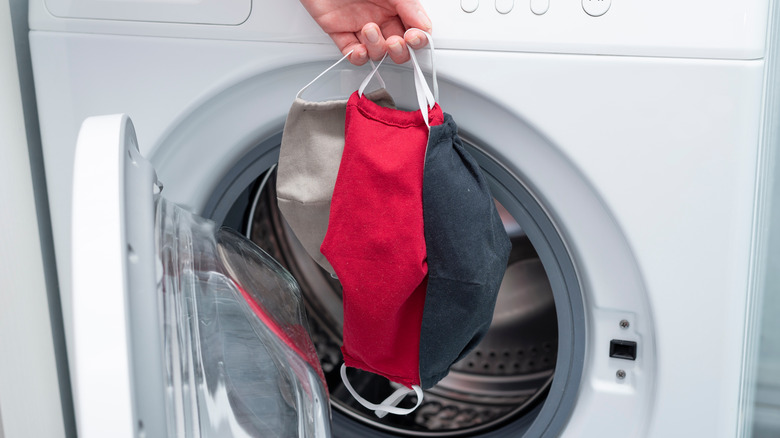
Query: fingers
413 15
396 48
395 44
347 41
372 37
372 42
416 39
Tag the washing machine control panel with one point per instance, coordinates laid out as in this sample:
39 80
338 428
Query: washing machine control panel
719 29
538 7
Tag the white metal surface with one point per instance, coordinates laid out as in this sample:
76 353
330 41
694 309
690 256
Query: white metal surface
29 390
655 153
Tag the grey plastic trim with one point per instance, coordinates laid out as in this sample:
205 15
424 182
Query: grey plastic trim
514 196
143 298
243 173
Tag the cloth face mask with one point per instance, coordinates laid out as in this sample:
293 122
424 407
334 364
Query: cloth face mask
309 157
376 241
468 250
375 238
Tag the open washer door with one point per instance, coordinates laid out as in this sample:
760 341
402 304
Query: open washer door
179 328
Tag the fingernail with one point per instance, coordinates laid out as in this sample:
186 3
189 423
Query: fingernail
415 41
395 48
424 19
361 54
372 35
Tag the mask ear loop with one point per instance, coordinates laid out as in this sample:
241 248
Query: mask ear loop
388 405
378 76
365 82
425 99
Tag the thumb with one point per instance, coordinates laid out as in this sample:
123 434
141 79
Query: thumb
412 14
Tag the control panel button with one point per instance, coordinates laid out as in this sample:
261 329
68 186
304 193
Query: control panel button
539 7
469 5
504 6
596 8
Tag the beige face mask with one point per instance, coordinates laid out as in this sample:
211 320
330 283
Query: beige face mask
309 159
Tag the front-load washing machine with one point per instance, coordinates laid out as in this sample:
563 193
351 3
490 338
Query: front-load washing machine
626 146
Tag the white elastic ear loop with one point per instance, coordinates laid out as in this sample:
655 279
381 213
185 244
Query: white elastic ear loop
378 76
388 405
433 62
425 99
393 399
435 96
371 75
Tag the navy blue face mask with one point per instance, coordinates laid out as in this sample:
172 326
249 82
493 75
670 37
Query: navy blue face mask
468 250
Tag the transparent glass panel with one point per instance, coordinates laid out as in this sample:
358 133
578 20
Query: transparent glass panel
239 360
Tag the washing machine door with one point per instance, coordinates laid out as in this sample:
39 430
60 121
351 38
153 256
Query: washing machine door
179 328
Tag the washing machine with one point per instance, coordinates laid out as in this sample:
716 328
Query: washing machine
626 144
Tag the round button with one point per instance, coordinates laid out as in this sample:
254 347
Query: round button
596 8
539 7
504 6
469 6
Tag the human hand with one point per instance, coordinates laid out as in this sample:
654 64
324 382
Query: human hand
372 28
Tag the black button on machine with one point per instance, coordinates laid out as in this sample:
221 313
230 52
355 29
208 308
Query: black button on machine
622 349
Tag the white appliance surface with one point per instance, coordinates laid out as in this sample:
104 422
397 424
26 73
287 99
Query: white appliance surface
650 163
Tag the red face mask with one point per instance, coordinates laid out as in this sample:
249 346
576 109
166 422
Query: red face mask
375 239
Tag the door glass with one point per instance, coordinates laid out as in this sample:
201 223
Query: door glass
239 358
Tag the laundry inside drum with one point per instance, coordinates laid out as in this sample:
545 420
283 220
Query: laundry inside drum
503 378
